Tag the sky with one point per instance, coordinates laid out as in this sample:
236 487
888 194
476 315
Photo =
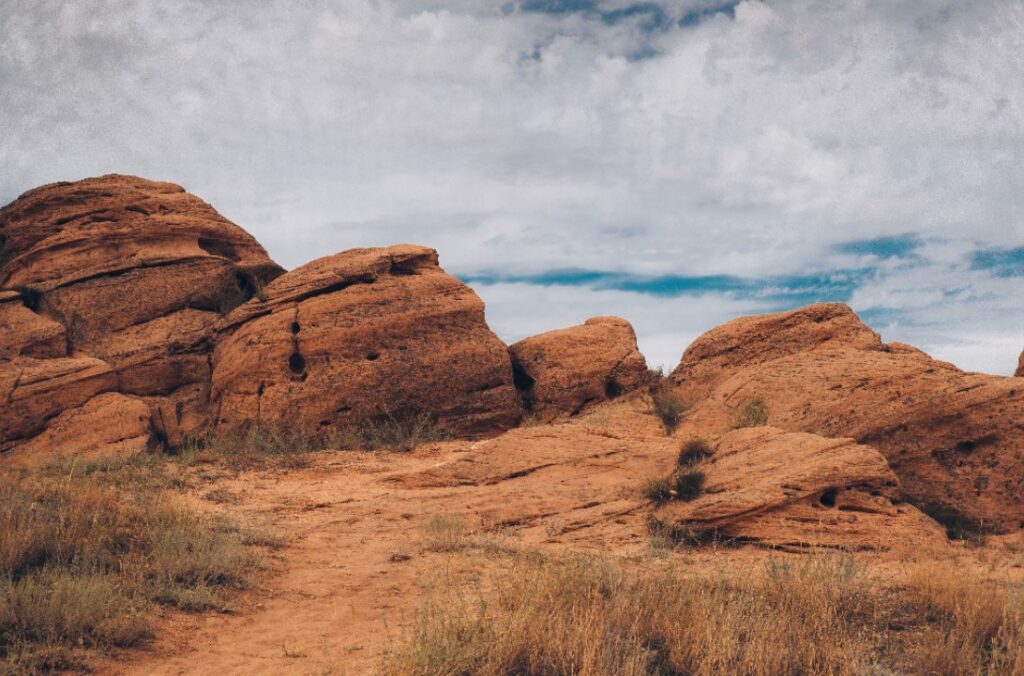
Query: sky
676 163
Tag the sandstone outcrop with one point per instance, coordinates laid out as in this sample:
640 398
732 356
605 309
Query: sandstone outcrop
107 425
23 333
561 372
1020 366
757 339
796 490
137 273
953 438
36 390
364 334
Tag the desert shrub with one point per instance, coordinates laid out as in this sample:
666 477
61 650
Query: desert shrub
444 533
254 446
753 413
85 552
403 433
669 408
688 485
693 452
658 491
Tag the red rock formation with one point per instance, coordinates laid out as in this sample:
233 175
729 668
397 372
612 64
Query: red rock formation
364 334
1020 366
23 333
109 424
953 438
36 390
757 339
796 490
561 372
138 273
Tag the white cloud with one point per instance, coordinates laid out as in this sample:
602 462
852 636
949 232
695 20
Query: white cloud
522 142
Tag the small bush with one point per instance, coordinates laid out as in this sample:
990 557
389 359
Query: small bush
658 491
693 452
753 413
669 408
444 533
689 485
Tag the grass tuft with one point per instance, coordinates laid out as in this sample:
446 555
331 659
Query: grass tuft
445 533
753 413
689 485
693 452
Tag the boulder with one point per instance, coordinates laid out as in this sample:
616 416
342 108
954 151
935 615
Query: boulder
363 334
36 390
953 438
748 341
134 272
108 425
561 372
23 333
794 490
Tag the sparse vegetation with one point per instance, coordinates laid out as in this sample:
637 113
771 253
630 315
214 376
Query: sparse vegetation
85 552
753 413
403 433
814 615
689 485
658 491
444 533
668 405
958 526
693 452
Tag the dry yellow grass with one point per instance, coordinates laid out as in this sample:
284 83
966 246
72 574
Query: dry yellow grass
813 615
85 552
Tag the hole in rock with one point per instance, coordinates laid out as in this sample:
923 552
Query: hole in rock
295 327
297 363
372 356
828 498
612 389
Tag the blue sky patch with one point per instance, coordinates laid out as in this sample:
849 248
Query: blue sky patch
895 246
697 16
999 261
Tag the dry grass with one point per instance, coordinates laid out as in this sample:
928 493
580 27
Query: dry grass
669 408
813 615
401 433
444 533
86 551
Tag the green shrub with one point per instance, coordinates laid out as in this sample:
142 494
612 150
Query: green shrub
753 413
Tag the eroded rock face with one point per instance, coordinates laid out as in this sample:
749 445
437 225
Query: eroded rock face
953 438
36 390
798 490
1020 366
135 272
561 372
757 339
23 333
107 425
364 334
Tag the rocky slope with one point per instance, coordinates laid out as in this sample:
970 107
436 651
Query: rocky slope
953 438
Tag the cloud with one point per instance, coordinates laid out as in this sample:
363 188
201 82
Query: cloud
807 149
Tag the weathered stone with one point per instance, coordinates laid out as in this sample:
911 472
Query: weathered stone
366 333
560 372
